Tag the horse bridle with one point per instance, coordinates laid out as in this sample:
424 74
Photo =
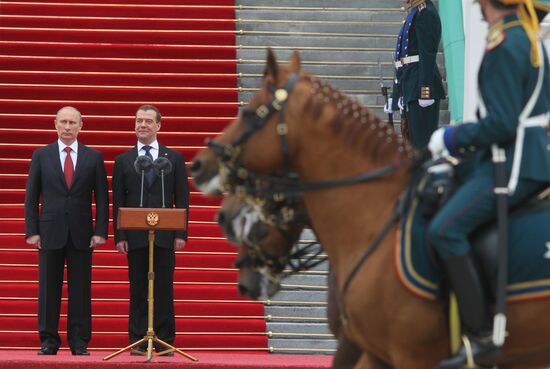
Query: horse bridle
231 164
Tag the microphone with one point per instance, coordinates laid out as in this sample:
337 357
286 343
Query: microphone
162 166
141 165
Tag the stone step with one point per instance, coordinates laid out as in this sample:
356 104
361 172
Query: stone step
301 297
324 4
297 313
303 345
299 26
377 41
390 14
298 329
296 280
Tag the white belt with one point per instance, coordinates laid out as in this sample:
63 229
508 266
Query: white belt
539 120
407 60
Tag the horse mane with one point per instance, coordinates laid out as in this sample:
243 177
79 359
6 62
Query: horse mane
356 124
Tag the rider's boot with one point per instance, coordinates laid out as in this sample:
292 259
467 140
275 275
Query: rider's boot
477 346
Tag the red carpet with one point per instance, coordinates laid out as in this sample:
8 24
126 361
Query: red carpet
207 360
106 58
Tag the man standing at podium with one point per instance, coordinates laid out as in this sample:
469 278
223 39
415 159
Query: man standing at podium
127 193
62 178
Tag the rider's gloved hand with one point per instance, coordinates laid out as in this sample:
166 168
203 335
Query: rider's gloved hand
437 144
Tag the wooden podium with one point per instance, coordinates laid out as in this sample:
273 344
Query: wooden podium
151 219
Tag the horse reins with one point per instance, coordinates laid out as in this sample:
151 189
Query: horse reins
230 156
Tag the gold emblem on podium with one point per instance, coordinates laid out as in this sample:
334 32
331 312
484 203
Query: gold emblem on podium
152 219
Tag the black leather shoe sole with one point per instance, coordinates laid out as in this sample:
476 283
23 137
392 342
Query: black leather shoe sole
138 352
47 351
80 352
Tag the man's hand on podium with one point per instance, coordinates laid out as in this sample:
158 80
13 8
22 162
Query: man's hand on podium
179 243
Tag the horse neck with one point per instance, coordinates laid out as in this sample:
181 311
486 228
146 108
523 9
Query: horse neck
346 219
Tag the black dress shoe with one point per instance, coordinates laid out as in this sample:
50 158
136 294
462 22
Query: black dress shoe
47 351
169 353
80 352
138 351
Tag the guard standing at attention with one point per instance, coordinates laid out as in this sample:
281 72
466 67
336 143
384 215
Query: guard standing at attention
417 88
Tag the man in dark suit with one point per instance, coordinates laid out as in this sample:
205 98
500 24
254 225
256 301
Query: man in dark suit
62 177
418 88
127 193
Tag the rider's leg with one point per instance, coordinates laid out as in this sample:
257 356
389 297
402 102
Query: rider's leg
472 205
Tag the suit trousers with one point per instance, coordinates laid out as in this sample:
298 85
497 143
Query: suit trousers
164 323
422 123
50 283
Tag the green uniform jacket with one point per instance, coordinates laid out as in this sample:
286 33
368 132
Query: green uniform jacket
424 76
507 80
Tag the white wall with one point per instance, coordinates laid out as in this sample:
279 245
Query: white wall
475 32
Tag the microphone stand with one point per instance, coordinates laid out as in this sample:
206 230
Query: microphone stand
162 184
150 337
141 196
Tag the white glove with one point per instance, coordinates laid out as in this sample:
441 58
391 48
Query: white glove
387 107
437 144
400 103
425 102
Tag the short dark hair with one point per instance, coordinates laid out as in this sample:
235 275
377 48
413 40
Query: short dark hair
150 107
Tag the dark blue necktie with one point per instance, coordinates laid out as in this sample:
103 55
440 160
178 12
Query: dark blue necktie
150 174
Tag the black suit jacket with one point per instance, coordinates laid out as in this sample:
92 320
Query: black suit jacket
65 210
127 189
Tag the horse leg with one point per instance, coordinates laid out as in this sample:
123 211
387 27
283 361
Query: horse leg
347 353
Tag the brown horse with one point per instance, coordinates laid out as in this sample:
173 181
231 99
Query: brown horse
257 278
306 124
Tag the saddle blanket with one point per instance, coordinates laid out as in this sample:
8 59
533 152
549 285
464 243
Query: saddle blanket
528 260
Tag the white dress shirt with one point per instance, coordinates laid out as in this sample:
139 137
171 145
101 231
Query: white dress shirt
63 154
154 149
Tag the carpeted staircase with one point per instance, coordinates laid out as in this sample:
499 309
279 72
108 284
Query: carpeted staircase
198 61
107 58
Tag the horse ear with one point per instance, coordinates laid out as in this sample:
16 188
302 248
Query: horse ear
271 68
294 65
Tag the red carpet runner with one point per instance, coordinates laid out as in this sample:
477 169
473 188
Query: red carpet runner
107 57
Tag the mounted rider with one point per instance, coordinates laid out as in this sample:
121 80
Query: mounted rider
514 113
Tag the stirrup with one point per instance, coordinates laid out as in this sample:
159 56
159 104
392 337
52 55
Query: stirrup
470 362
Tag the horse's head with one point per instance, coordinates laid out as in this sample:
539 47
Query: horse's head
262 247
256 129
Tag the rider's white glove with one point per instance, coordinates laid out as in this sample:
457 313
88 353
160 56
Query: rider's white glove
437 144
400 103
425 102
387 107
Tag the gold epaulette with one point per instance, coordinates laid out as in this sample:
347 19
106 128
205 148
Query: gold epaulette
421 4
496 35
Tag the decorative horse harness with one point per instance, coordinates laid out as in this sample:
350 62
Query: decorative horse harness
284 187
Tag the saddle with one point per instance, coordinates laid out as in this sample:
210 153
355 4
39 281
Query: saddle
484 240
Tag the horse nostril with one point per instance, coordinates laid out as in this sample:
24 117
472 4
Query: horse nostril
195 167
243 290
220 218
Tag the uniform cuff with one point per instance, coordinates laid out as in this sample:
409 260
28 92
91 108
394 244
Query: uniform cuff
449 140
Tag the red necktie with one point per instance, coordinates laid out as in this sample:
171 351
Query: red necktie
68 167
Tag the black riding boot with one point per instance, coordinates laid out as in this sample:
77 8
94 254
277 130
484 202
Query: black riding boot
477 347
